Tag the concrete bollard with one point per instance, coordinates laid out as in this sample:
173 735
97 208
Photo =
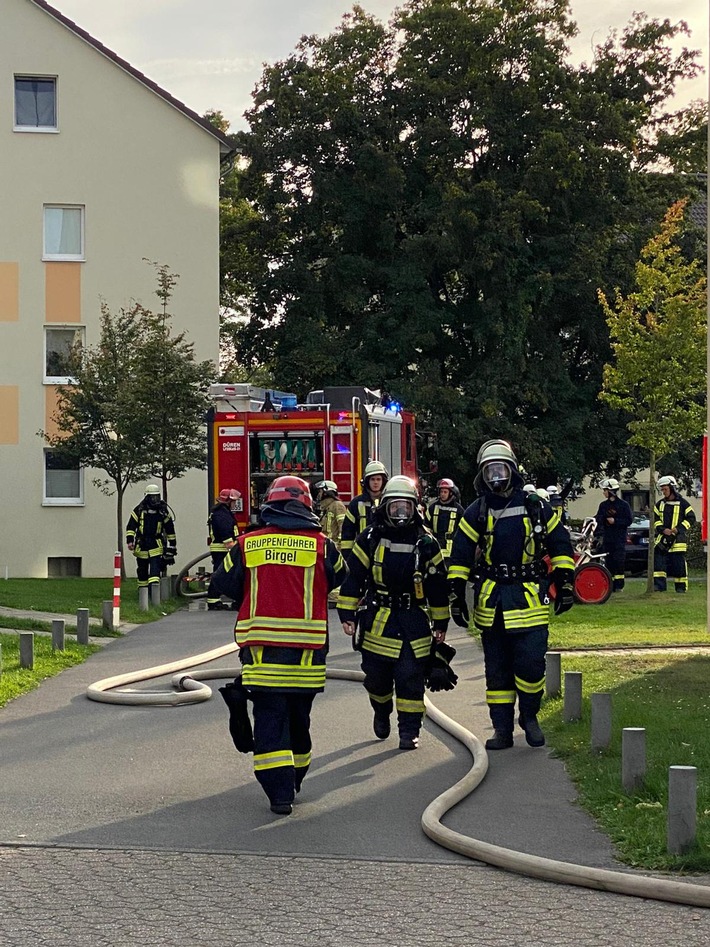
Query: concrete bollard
682 808
633 757
107 613
58 629
553 674
572 705
601 721
166 586
143 598
154 593
82 626
27 649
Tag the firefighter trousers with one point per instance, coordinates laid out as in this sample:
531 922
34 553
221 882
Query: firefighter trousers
148 570
282 742
404 677
616 562
213 595
669 565
514 667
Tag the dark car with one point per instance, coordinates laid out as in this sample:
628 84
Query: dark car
637 544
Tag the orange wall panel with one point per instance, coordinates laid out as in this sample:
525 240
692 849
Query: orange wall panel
9 292
9 414
50 409
62 292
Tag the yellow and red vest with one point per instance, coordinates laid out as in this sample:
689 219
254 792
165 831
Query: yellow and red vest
285 602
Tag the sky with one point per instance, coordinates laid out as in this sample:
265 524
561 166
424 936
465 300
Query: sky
209 54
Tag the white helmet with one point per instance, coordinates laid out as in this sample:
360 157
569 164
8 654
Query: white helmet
529 488
542 492
152 490
610 483
552 489
668 481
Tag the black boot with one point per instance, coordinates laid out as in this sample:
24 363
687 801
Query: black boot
408 741
381 726
501 740
502 717
533 734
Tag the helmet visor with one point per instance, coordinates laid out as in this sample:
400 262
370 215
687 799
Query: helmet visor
496 474
399 511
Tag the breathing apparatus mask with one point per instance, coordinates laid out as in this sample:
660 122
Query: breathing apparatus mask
497 476
399 512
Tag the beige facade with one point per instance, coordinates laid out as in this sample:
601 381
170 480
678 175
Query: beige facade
109 172
635 492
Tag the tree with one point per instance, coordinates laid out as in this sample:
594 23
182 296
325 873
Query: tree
659 341
172 387
136 403
434 204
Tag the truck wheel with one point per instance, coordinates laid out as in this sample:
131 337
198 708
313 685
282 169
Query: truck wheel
592 584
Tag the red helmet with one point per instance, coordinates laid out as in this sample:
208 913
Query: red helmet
226 495
290 488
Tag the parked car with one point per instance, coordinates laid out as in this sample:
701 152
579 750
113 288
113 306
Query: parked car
637 544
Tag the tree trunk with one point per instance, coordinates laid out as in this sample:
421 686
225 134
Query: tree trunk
119 529
651 497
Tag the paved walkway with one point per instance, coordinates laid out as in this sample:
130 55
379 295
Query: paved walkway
141 825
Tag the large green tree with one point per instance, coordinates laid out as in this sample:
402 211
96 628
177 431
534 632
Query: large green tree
435 203
659 343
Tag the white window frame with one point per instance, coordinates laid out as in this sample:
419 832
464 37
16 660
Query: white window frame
34 129
60 501
70 327
74 257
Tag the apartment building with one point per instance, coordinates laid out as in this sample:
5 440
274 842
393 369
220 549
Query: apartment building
101 170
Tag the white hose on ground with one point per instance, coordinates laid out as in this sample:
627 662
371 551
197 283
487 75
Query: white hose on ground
188 688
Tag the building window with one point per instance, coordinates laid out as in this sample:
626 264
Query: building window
35 103
58 344
63 232
62 567
63 480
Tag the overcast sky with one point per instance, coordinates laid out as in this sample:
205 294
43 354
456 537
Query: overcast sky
209 53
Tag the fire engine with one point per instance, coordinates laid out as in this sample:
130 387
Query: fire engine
256 435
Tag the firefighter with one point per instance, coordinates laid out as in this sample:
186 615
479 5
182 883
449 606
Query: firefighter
150 536
443 515
397 570
223 531
332 514
499 547
613 518
358 514
280 576
672 518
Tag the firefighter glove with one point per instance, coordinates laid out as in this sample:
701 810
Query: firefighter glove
564 591
438 675
235 697
459 612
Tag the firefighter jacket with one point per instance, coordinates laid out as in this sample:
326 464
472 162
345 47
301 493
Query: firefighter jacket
674 513
400 577
358 516
332 516
442 519
279 577
151 530
500 546
613 534
223 529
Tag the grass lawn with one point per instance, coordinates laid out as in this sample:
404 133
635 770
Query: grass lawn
63 597
666 693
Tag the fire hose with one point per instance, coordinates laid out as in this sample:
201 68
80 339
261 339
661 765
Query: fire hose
188 687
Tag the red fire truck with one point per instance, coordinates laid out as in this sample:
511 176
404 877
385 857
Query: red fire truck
255 435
